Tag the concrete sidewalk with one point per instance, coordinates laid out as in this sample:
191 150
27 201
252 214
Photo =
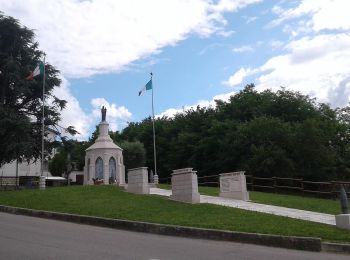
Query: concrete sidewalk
275 210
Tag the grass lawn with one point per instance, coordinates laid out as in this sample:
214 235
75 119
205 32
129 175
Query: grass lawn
112 202
289 201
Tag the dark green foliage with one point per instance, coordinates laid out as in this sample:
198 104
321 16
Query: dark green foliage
266 133
20 99
70 156
134 154
58 165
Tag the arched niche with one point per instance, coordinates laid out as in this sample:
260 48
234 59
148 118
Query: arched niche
88 169
99 168
112 170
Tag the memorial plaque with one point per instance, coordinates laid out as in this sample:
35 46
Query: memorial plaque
225 185
184 186
233 185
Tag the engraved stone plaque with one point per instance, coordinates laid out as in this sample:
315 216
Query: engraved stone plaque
233 185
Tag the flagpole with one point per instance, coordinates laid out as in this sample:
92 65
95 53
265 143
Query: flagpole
154 134
43 123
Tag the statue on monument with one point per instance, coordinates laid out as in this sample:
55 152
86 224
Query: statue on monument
103 112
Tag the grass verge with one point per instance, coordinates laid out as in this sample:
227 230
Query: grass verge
289 201
112 202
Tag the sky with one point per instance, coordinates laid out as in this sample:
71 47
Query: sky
198 51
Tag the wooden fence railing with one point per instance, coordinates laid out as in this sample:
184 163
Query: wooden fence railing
329 189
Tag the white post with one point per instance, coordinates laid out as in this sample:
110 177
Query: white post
42 182
154 136
43 123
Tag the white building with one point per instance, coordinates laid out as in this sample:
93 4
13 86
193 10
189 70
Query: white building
104 159
29 169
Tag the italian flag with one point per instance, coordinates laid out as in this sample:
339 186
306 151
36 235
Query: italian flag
39 70
147 87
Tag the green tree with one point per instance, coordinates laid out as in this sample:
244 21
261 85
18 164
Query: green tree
21 99
134 154
58 165
70 156
282 133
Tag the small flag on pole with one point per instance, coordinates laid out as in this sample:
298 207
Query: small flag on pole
39 70
147 87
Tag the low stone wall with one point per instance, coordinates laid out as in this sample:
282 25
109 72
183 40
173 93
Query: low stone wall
138 180
301 243
184 185
343 221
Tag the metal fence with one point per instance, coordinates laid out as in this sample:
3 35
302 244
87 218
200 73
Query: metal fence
298 186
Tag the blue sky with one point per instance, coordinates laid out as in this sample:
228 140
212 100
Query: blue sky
198 51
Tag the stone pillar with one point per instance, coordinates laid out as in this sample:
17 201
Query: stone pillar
91 172
343 221
42 182
233 185
105 168
184 186
138 180
121 174
155 179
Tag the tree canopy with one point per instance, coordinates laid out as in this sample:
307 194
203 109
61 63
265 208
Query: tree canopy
20 99
266 133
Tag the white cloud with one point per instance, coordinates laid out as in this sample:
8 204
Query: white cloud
83 38
325 14
250 19
232 5
238 77
171 112
224 33
276 44
244 48
73 115
117 117
318 66
211 46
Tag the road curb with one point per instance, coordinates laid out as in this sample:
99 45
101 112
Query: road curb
290 242
336 248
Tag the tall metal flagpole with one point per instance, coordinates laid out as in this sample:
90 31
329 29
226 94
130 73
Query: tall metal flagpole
154 134
43 123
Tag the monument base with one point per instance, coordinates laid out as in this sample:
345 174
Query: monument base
236 195
193 198
184 186
138 180
152 185
343 221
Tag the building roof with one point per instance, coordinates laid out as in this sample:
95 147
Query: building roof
104 145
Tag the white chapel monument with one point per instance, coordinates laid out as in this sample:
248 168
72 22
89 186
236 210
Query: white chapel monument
104 159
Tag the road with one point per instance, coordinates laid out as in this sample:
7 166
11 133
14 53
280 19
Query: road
23 237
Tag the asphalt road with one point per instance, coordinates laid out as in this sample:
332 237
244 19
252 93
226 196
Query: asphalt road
23 237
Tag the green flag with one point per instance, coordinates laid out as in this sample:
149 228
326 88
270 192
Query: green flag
148 86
